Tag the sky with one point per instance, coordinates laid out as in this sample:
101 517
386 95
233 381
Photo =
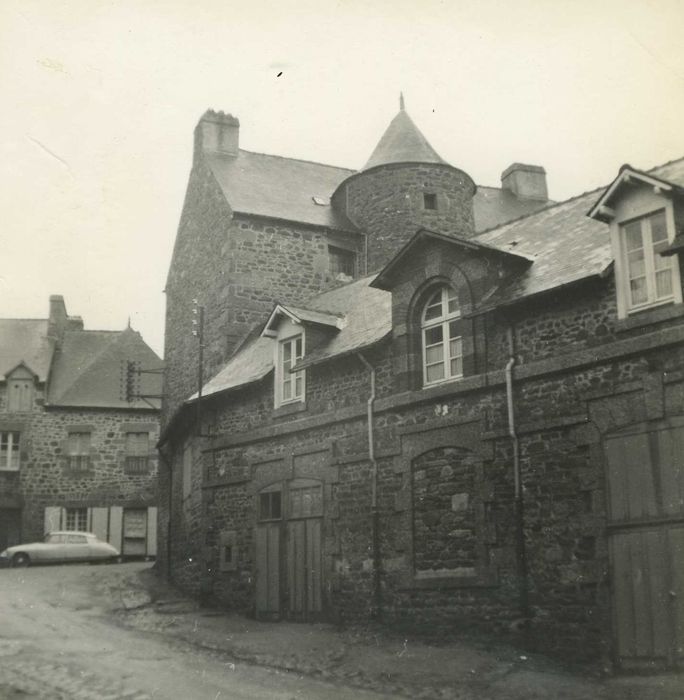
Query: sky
100 99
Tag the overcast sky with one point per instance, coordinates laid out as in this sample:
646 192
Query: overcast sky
99 100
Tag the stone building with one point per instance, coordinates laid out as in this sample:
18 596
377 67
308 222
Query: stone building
447 406
74 454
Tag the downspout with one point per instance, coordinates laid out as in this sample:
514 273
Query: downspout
169 465
521 555
375 525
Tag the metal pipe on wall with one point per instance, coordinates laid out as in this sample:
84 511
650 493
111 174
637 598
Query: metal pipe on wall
521 554
375 520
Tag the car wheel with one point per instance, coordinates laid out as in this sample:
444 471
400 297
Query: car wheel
20 560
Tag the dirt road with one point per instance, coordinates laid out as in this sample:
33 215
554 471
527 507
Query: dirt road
59 640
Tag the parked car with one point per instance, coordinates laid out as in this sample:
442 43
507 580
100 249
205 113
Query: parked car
62 547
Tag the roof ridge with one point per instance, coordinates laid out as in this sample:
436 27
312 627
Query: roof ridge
299 160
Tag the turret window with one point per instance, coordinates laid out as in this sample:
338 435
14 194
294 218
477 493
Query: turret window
441 337
429 201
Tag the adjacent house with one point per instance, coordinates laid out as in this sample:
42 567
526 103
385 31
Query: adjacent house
446 406
74 453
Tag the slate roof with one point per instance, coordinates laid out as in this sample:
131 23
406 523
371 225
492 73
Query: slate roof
566 244
87 369
280 188
368 316
403 142
25 340
493 206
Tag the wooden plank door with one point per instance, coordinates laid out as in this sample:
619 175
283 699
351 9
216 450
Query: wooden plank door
268 570
646 544
134 532
304 581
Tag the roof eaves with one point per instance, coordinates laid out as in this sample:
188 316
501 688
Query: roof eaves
602 212
313 360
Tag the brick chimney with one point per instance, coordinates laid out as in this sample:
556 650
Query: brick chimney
217 132
525 181
59 321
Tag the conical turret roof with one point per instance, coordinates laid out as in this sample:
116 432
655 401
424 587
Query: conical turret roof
403 142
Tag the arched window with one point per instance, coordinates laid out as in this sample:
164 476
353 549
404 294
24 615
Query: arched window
441 337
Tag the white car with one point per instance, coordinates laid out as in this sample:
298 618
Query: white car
61 546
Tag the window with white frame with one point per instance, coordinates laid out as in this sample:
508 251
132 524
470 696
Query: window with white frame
441 337
137 452
290 384
342 262
77 519
9 451
649 276
79 451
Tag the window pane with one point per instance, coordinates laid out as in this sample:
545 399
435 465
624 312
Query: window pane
434 354
633 239
638 290
287 352
456 367
287 389
658 227
455 349
435 372
663 284
298 350
433 312
298 385
433 335
637 266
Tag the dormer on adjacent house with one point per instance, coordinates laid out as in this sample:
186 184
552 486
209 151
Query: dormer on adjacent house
644 213
20 389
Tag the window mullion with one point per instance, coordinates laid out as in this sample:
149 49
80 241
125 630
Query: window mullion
647 240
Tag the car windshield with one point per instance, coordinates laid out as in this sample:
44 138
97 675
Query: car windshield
54 539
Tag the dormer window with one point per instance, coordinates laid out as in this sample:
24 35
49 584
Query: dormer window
649 276
442 337
289 385
20 391
642 210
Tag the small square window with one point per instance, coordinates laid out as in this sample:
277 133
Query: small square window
341 261
429 201
79 451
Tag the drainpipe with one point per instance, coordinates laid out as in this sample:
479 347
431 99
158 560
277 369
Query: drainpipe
169 465
377 594
521 556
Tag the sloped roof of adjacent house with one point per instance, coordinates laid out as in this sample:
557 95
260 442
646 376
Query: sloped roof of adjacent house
25 341
280 188
566 244
87 369
563 243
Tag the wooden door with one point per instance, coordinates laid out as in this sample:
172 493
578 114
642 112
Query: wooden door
268 570
10 527
304 570
646 543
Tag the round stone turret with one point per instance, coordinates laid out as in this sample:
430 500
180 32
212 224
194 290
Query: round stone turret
405 186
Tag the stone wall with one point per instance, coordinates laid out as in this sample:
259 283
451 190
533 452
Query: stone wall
387 203
45 479
559 409
238 267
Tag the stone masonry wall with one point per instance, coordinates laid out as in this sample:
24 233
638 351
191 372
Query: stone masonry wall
45 480
237 266
387 203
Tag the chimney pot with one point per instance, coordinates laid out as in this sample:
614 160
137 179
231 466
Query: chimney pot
525 181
